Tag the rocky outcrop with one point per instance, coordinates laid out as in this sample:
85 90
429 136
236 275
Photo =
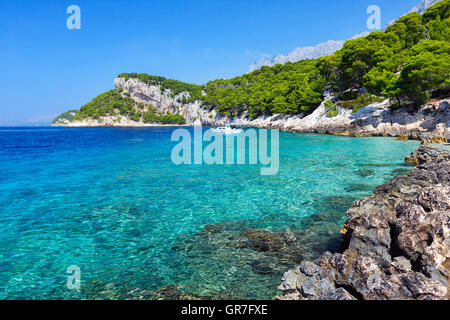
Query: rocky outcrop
426 154
164 101
398 242
440 135
429 123
377 119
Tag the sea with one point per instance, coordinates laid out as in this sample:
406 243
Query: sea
105 213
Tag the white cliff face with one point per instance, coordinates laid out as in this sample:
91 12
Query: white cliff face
164 101
151 94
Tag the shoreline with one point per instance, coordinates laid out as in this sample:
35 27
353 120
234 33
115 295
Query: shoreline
369 234
428 123
427 137
397 242
121 126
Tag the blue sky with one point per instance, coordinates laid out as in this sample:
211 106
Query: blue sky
48 69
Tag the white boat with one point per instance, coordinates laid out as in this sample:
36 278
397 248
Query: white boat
227 130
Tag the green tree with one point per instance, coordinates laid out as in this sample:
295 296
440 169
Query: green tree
426 70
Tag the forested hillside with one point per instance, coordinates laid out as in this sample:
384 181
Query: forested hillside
408 62
117 103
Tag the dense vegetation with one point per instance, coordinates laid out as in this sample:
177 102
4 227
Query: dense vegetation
68 115
115 103
408 62
106 104
176 87
289 88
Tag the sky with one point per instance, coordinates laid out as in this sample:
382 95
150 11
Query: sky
47 69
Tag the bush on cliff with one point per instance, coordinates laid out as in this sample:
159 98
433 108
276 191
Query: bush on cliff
360 102
106 104
172 119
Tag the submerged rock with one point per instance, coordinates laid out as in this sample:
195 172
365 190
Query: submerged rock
359 187
244 249
365 172
400 171
397 242
173 292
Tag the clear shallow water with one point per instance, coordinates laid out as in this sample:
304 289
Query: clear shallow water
110 201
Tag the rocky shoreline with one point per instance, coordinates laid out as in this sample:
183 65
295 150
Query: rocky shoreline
429 123
397 242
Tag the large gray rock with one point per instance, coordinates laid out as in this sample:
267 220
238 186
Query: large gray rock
398 242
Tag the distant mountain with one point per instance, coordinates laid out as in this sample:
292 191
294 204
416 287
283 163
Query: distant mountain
420 8
325 48
322 49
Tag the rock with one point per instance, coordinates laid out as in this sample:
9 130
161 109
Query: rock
433 137
397 242
173 292
241 249
377 119
425 154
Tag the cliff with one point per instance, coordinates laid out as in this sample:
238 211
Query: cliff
397 242
429 123
164 101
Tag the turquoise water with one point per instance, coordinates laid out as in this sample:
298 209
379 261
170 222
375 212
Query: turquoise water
110 201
